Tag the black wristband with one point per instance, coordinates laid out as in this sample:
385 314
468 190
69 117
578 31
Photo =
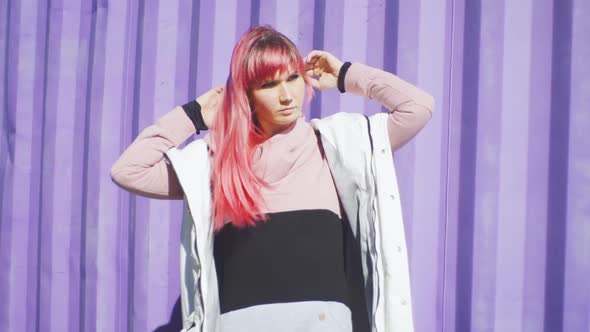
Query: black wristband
341 75
193 111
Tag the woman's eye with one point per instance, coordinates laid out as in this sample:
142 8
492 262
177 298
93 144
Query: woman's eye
269 84
293 77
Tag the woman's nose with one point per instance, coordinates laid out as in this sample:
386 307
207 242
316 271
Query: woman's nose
285 95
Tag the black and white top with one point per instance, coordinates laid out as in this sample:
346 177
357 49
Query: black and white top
291 272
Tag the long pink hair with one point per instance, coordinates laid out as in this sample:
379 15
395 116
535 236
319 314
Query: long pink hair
259 54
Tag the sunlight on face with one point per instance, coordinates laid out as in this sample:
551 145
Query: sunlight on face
278 102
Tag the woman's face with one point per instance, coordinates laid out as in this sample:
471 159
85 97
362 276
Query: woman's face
278 102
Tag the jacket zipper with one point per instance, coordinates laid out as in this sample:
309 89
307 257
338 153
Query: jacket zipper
373 230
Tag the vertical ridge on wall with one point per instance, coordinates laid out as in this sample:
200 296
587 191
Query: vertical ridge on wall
537 170
354 48
169 85
36 182
102 289
267 12
426 233
467 165
287 18
445 207
407 54
205 64
376 32
254 12
144 206
6 131
133 200
45 278
331 28
87 305
25 181
390 36
319 13
512 165
558 165
486 162
576 307
184 89
112 299
224 40
193 72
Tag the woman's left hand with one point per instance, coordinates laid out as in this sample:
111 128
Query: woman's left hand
322 68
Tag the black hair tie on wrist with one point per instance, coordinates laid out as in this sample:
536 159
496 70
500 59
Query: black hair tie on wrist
341 75
193 111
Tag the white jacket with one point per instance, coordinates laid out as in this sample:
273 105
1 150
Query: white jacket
359 155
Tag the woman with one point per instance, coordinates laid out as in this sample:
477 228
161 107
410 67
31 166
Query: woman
290 225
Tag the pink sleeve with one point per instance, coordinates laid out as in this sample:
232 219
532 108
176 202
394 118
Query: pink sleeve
410 107
142 168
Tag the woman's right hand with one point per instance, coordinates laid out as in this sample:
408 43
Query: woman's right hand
210 103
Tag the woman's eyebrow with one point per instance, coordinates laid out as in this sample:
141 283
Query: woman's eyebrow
276 79
272 80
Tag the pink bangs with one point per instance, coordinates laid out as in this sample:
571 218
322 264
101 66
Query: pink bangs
263 64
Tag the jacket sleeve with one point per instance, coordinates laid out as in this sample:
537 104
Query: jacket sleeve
142 168
410 107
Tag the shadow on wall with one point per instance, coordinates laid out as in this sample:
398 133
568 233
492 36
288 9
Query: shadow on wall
175 322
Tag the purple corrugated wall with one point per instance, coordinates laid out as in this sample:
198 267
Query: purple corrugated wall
495 190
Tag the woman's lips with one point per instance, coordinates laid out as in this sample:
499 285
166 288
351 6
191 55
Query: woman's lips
287 111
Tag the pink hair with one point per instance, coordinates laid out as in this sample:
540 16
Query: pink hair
259 54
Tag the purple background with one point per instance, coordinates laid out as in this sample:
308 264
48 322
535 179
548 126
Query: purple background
496 188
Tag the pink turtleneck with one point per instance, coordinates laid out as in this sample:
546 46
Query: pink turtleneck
292 164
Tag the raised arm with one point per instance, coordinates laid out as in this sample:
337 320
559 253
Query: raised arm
409 107
142 168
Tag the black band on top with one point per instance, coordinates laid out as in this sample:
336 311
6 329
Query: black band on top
341 75
193 111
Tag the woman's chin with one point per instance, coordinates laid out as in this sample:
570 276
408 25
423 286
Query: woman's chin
284 122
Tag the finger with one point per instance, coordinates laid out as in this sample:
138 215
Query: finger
325 58
317 71
313 55
314 59
310 64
